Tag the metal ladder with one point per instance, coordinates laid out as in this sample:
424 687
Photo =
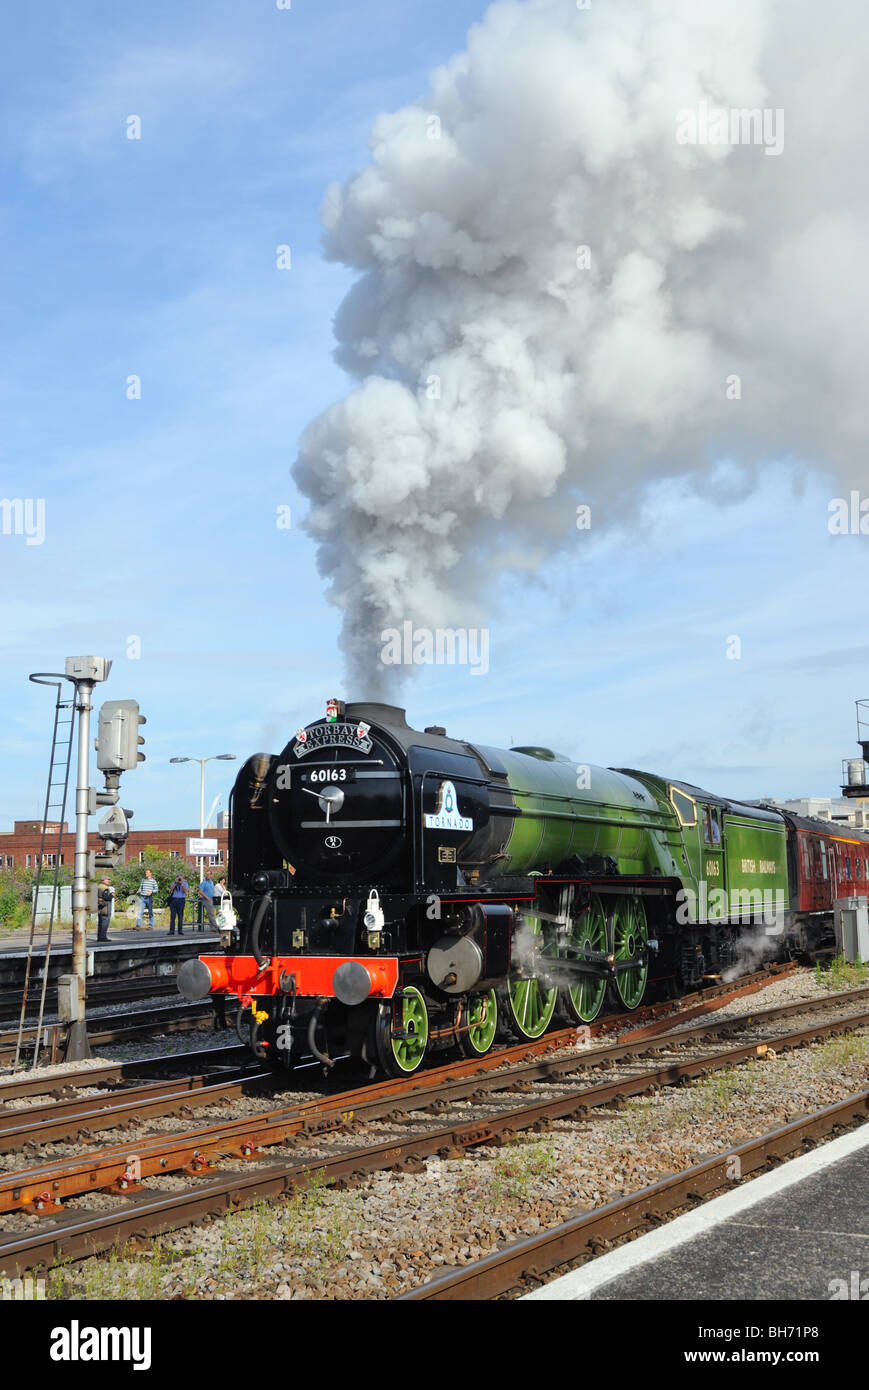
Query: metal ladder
55 811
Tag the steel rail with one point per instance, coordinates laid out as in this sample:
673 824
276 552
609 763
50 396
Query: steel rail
672 1010
589 1232
80 1117
70 1119
82 1234
45 1185
63 1083
99 994
170 1018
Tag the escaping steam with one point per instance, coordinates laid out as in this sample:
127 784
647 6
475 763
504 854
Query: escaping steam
505 374
754 948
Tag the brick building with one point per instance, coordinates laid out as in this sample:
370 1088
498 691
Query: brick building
19 847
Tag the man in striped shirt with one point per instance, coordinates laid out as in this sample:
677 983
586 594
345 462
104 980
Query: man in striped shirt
147 889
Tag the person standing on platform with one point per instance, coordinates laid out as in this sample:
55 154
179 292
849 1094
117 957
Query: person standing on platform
104 909
147 889
206 897
177 902
221 895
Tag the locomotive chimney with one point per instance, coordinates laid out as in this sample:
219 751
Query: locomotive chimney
391 715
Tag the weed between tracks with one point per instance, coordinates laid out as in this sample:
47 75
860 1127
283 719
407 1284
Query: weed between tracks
712 1097
842 974
510 1177
842 1050
313 1226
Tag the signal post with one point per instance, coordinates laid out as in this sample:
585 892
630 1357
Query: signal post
117 746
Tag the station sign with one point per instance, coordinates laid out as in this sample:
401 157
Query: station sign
197 846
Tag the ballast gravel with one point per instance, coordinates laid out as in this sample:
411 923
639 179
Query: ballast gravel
393 1231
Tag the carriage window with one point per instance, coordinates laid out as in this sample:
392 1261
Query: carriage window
686 809
804 844
824 859
847 866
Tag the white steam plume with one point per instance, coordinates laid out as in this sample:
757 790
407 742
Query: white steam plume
557 129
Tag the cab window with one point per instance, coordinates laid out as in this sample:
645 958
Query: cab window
686 809
711 829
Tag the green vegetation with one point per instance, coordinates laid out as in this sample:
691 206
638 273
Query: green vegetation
721 1090
310 1228
840 1051
126 878
16 894
116 1275
16 885
518 1167
636 1122
842 974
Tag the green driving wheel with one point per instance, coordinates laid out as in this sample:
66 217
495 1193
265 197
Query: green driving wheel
529 1001
583 1001
401 1052
482 1024
630 943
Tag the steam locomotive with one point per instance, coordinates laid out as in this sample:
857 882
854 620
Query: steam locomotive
399 892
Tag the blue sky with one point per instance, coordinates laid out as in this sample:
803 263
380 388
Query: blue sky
157 257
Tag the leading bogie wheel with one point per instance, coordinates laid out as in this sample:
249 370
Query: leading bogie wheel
402 1034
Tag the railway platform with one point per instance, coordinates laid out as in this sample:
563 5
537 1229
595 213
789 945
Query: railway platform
799 1232
128 951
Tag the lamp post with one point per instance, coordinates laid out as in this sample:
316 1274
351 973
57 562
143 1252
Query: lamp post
215 758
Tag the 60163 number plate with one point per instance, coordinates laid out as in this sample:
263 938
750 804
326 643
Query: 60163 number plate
323 776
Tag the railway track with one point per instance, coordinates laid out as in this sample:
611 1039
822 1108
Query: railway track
139 1023
67 1118
551 1042
589 1233
74 1118
687 1007
325 1124
100 994
64 1084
